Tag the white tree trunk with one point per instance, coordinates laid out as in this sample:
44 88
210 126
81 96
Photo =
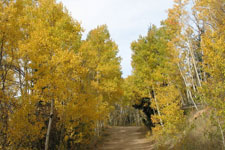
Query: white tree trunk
188 91
195 66
157 107
49 125
222 135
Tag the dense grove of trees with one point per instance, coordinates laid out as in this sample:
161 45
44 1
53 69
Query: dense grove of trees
59 92
56 90
182 64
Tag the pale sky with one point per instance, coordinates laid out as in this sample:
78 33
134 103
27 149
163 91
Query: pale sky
126 20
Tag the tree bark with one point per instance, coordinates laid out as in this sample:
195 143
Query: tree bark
188 91
195 66
49 125
222 135
157 107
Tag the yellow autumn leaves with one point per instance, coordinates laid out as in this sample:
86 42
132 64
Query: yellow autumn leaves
45 63
181 64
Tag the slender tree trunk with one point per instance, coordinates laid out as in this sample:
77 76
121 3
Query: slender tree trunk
97 128
192 100
139 118
1 52
21 85
182 99
157 107
49 125
98 94
62 130
189 69
188 91
195 66
222 135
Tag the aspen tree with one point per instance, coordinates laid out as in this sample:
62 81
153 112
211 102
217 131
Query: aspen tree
213 14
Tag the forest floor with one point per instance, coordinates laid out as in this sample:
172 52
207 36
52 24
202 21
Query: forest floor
125 138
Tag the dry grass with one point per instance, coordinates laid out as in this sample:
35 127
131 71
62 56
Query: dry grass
199 134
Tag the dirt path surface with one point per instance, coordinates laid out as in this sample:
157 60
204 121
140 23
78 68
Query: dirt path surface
125 138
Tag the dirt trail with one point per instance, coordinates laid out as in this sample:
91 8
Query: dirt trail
125 138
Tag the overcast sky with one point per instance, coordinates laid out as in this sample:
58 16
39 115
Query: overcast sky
126 20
